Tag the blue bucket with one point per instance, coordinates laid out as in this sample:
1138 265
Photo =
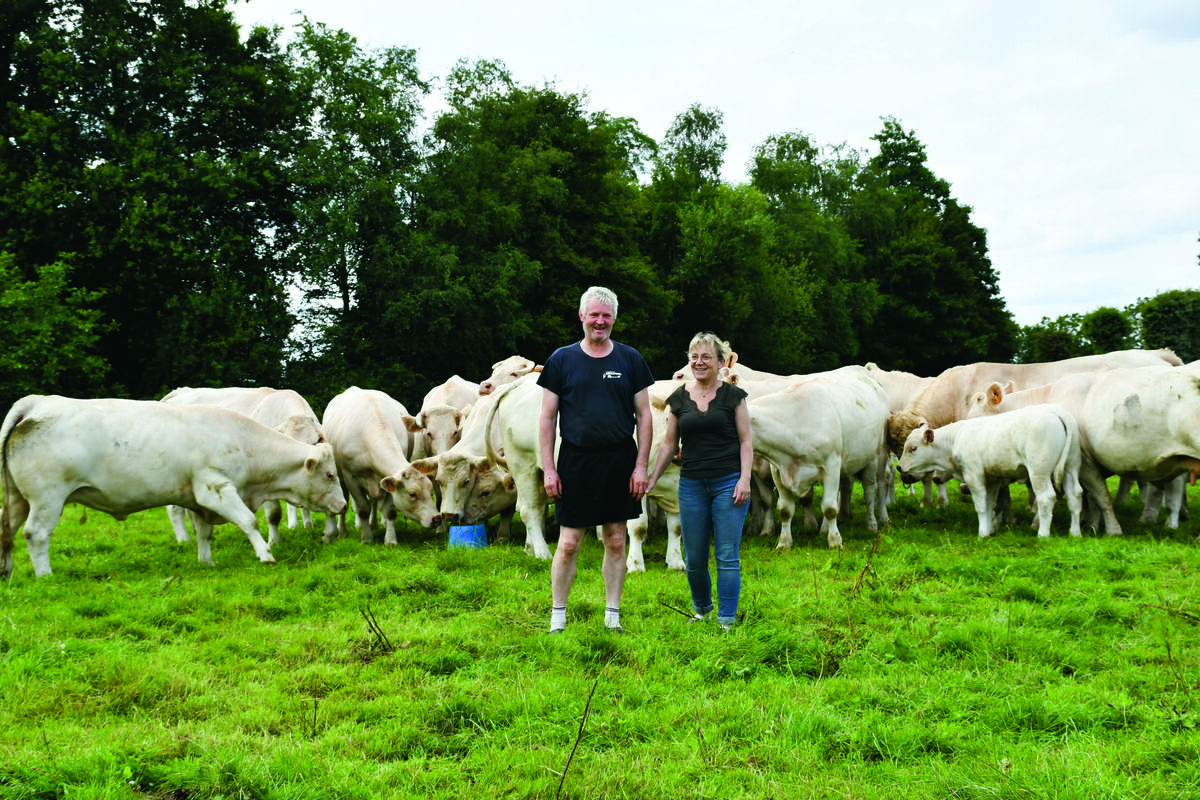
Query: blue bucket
473 536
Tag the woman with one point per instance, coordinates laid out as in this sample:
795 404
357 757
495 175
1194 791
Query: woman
713 421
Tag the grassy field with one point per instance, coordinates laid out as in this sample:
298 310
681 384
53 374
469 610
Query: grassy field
924 663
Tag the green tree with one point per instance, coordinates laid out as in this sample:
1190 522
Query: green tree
143 138
1172 320
48 332
940 301
808 190
1051 340
353 171
1106 329
526 199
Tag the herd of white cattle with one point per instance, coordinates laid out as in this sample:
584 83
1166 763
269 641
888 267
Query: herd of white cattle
471 451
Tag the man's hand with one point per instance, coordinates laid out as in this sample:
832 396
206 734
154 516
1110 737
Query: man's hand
639 483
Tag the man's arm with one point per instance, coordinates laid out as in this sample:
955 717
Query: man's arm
547 431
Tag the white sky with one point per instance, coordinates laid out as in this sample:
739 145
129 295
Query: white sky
1072 128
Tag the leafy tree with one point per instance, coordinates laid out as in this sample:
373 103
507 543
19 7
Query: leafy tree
940 302
687 169
1051 340
143 137
526 199
807 190
1106 329
48 331
354 170
1172 320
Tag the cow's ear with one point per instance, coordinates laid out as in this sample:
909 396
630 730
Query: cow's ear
510 483
388 484
412 424
928 435
310 464
426 466
1010 387
995 395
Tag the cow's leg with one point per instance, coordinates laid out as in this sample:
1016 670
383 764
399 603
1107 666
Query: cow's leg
291 515
1173 494
274 517
943 497
203 540
217 494
364 511
1043 490
12 517
830 475
1125 486
532 502
1152 502
331 527
1074 494
387 510
674 542
845 492
869 476
504 527
1097 490
178 517
984 504
786 505
43 518
638 528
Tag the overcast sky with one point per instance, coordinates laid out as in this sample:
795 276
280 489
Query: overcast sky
1071 128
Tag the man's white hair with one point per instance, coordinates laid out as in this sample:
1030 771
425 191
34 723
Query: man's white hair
600 295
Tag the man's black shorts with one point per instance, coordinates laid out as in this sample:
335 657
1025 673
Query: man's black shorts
595 485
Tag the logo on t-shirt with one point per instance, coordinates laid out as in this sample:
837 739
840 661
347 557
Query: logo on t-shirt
611 374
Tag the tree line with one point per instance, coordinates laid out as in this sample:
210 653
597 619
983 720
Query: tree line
186 203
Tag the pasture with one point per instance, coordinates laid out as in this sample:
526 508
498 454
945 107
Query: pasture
923 663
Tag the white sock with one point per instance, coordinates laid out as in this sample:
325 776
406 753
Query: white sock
612 617
558 618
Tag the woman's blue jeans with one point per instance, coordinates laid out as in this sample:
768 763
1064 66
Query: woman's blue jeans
707 514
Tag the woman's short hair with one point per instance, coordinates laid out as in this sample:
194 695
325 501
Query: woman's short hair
601 295
719 346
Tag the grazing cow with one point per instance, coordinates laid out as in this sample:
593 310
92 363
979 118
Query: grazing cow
507 371
948 397
817 430
473 488
1141 423
283 409
125 456
372 446
1039 444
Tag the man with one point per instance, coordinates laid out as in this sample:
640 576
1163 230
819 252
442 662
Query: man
596 395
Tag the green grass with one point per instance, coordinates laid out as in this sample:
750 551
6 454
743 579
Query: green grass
924 664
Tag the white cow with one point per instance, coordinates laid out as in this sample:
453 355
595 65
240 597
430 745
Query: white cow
816 430
507 371
515 416
438 425
1141 423
1039 444
473 488
372 446
124 456
283 409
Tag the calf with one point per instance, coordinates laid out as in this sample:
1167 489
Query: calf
1039 444
124 456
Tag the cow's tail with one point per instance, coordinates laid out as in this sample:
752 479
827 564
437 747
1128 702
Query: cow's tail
1072 451
493 456
8 489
